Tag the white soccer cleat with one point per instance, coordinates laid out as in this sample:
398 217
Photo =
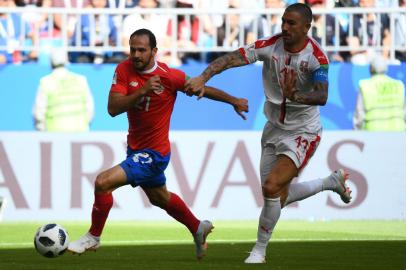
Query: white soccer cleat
255 257
205 227
339 177
83 244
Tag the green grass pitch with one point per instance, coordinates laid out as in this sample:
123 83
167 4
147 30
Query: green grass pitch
314 245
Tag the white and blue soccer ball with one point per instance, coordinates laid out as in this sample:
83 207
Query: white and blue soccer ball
51 240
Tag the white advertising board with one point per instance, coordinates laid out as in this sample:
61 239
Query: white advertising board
46 176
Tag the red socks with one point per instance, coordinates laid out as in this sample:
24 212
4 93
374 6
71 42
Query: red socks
101 208
177 209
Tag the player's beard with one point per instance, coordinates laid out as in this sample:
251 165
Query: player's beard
142 65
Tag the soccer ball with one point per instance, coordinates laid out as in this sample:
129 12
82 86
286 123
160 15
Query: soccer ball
51 240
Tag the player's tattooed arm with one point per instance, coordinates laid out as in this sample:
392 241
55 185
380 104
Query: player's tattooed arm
316 97
229 60
195 86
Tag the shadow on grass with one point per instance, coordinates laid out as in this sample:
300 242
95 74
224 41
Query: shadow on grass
329 255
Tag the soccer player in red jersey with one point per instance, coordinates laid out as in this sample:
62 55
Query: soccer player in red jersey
146 90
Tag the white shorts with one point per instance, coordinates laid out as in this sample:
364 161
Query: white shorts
298 145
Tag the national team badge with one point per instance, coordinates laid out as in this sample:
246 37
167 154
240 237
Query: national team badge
304 66
160 90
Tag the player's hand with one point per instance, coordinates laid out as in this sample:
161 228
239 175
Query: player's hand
288 83
240 106
195 87
153 84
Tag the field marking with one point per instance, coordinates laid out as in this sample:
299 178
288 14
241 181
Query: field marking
187 242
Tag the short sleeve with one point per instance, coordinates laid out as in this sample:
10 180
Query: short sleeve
248 53
178 79
259 50
119 84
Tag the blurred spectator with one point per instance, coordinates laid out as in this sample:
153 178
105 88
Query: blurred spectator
213 21
381 101
46 27
232 33
369 30
324 30
70 19
400 33
14 32
166 3
187 31
94 30
47 34
267 24
387 3
122 3
64 101
156 23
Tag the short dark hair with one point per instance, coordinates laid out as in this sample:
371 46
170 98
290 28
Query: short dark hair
146 32
302 9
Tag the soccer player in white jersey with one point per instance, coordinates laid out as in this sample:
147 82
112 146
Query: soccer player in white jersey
295 80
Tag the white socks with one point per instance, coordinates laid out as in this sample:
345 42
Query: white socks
267 220
300 191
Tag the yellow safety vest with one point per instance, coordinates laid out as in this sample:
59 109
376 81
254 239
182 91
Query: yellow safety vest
66 95
384 100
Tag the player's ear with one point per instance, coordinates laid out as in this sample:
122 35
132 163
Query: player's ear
154 51
307 27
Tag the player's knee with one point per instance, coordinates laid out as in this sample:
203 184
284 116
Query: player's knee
102 183
271 189
157 201
158 198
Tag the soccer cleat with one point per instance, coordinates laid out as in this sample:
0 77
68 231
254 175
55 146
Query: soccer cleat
205 227
255 257
84 243
339 177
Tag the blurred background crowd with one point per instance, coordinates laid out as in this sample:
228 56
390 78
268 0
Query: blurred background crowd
97 31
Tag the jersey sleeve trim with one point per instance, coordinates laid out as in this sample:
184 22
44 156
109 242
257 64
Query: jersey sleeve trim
266 42
319 54
242 52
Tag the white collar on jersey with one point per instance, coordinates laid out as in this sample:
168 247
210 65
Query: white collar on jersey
151 69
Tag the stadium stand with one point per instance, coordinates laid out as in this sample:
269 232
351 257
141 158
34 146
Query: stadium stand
352 32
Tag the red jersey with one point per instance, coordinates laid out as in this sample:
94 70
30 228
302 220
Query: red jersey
149 120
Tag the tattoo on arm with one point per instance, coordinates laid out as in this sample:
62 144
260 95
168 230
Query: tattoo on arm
316 97
233 59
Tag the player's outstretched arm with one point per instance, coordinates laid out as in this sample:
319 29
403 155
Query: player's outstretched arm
240 104
119 103
195 86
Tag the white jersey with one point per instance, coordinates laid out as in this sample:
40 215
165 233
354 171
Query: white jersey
280 111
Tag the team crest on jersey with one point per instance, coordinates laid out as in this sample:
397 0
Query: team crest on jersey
160 90
304 66
133 84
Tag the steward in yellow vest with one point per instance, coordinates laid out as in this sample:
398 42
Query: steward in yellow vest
381 101
64 102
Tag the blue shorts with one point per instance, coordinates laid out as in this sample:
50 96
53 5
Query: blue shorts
145 168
